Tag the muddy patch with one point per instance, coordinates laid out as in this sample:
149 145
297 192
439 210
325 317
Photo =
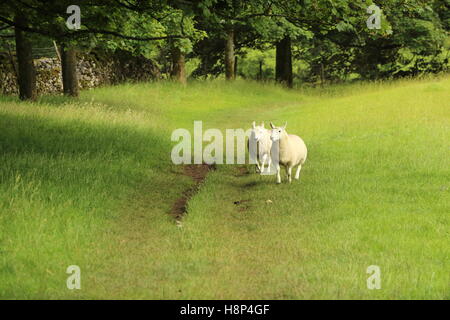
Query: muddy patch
242 205
241 171
198 173
250 184
238 202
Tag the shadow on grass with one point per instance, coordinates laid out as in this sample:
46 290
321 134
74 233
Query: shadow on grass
27 134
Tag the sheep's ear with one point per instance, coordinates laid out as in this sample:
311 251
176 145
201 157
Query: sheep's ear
254 124
272 126
262 124
285 125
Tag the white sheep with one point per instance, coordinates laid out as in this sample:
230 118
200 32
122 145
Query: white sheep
291 150
260 149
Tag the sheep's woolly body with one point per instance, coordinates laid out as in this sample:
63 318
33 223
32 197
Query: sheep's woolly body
292 152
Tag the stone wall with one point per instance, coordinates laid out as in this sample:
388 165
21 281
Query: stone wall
94 69
8 79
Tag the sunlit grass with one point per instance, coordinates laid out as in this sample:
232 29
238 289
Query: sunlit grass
90 183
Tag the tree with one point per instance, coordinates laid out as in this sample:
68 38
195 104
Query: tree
69 71
226 23
283 67
410 41
229 54
103 19
180 20
178 65
26 70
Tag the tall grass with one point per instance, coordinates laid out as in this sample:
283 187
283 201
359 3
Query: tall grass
90 183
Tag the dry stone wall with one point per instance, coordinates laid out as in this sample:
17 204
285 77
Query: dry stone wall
94 69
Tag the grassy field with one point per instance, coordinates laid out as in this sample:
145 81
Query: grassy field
91 183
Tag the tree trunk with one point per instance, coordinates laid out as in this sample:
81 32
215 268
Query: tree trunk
178 66
322 74
283 68
260 75
69 71
235 66
26 71
229 55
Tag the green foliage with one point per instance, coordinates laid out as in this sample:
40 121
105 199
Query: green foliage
133 24
330 39
250 62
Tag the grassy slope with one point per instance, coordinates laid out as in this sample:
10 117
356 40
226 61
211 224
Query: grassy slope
91 184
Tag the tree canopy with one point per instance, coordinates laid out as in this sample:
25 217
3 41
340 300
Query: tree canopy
308 40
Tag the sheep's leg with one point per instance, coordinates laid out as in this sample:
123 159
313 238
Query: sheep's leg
254 157
289 174
278 174
263 163
257 168
297 173
269 164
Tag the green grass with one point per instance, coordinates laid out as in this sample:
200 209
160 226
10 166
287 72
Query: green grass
90 183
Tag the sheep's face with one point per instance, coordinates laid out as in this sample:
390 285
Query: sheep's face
277 132
258 133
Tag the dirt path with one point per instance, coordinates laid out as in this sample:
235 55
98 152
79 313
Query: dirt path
198 173
145 256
